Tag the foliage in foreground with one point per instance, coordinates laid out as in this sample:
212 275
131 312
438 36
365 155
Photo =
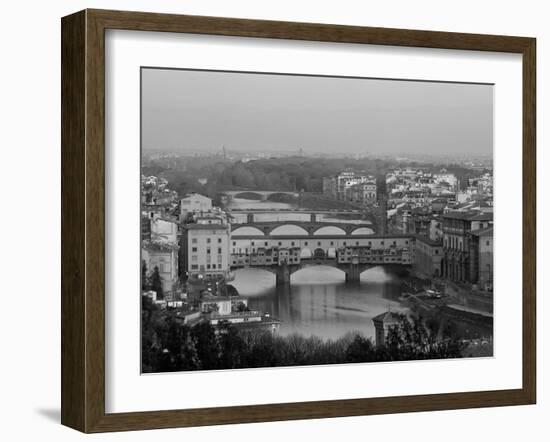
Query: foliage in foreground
167 345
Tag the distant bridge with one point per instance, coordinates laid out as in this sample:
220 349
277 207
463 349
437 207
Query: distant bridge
287 254
301 227
249 216
376 214
263 194
334 212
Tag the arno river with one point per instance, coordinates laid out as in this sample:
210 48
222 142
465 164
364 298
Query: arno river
318 301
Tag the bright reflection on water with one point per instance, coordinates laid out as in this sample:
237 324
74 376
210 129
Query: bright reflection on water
245 204
319 302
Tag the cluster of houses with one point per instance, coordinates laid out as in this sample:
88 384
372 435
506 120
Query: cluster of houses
185 241
417 185
267 256
453 227
392 254
351 186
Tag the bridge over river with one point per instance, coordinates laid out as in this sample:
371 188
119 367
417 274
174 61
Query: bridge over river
263 195
315 211
284 254
242 216
310 227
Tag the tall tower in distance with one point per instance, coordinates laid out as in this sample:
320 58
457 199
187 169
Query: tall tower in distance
382 203
383 207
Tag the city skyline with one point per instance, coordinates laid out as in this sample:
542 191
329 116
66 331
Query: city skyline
243 278
298 220
188 110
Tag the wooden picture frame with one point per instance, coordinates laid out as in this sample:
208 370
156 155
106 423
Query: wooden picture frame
83 220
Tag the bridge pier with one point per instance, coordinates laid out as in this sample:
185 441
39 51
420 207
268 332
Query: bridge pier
249 218
353 273
282 276
313 217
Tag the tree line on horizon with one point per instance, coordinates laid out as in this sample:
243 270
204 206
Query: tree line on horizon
287 173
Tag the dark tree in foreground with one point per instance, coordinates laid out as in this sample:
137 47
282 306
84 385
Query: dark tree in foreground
361 350
152 327
206 343
410 340
181 346
170 345
232 347
156 283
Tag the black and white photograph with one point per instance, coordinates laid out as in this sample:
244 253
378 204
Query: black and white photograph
273 221
300 220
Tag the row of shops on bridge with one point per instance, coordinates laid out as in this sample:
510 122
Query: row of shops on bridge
262 256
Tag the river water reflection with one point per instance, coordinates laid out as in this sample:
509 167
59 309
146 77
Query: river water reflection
319 302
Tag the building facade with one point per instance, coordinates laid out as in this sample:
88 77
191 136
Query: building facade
205 250
194 202
362 193
481 262
348 185
382 324
164 230
329 187
165 257
457 228
428 257
267 251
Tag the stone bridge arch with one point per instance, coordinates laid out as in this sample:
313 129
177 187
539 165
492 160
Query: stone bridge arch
247 230
262 195
361 230
329 229
352 271
248 193
291 229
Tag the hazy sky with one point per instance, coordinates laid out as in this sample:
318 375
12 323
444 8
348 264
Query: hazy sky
190 110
